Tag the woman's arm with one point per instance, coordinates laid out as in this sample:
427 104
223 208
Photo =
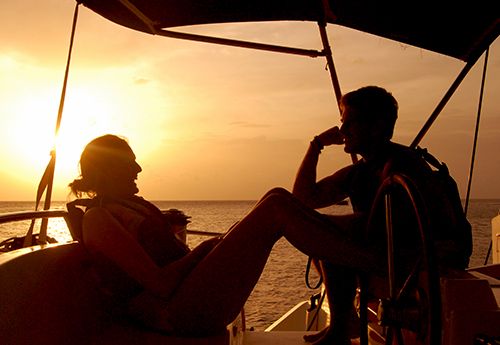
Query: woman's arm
176 271
103 234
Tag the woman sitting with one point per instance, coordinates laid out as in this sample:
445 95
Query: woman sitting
153 277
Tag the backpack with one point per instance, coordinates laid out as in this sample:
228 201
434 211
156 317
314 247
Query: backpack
452 231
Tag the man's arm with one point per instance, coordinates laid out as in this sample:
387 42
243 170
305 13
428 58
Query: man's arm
304 186
325 192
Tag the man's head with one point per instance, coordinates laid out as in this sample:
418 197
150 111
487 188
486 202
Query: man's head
368 116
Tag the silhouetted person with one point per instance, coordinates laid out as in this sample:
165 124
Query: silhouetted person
368 117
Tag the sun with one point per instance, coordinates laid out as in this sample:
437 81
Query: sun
32 135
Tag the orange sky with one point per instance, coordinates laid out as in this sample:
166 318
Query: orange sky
214 122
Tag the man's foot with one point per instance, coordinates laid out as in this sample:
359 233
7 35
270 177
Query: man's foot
354 330
354 326
311 338
326 337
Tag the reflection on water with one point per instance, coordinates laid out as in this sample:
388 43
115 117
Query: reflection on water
56 228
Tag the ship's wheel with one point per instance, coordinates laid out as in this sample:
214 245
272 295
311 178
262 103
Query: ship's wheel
409 305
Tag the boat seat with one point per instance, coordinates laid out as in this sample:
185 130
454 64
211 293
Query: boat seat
470 306
51 298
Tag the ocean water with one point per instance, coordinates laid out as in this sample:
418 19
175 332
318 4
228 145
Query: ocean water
282 284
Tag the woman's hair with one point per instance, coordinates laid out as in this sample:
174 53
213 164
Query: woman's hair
375 105
95 161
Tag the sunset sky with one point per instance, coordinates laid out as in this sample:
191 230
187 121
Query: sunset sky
212 122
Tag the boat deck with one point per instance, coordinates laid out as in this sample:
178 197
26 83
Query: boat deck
274 338
247 338
285 338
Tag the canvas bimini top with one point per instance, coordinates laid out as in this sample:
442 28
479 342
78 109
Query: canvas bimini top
462 30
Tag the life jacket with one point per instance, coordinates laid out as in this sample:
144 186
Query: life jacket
154 234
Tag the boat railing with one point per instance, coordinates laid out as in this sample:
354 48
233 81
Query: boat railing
30 239
17 242
30 215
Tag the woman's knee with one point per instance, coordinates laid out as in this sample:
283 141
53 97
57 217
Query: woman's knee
277 208
276 191
279 190
278 195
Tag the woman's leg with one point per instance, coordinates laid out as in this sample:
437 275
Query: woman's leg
215 291
217 288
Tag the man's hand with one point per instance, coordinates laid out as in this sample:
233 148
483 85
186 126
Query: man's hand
331 136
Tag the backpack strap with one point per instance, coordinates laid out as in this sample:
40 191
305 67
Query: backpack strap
431 160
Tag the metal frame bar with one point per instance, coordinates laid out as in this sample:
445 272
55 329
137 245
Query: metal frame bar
476 131
437 111
153 29
240 43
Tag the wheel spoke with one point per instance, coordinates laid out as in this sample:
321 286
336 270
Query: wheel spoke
411 311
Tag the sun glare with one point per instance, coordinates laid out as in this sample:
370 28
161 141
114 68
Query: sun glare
31 127
87 113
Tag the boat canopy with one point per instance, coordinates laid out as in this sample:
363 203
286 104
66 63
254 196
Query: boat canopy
462 30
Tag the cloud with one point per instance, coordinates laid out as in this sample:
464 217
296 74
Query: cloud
245 124
141 81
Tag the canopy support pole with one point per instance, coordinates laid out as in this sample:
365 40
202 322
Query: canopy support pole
241 44
474 147
329 61
444 101
331 68
476 132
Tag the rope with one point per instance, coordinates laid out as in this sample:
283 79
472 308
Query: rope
317 307
316 311
47 180
308 269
